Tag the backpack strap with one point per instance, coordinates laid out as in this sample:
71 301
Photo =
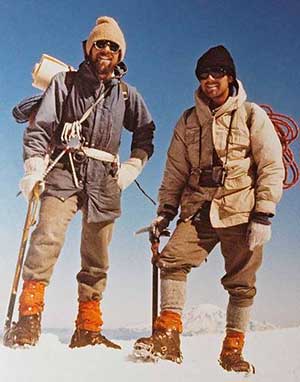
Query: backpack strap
69 80
187 114
124 89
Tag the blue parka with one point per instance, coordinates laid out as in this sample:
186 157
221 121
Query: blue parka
101 130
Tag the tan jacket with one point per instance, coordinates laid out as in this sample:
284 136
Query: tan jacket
254 164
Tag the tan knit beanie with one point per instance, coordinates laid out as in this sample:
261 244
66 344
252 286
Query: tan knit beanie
106 29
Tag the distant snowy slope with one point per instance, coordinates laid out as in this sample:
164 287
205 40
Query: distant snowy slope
275 354
207 318
202 319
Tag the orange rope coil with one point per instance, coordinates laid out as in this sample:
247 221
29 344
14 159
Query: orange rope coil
288 131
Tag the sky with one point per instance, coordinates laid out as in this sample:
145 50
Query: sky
164 40
52 360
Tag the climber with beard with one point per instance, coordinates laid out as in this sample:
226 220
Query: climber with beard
88 107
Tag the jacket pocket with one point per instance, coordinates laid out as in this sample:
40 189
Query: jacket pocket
242 201
109 196
238 183
102 132
239 146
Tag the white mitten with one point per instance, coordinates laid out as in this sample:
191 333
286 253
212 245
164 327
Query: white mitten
129 171
34 172
258 234
159 224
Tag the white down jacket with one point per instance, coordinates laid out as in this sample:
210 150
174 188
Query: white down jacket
253 162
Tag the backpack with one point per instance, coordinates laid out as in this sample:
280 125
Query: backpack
287 131
25 110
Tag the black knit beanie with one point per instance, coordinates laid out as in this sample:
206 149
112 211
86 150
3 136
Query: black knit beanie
217 56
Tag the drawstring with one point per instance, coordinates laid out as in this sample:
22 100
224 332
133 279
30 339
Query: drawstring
228 136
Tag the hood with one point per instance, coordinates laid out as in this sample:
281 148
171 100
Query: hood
120 70
232 103
89 80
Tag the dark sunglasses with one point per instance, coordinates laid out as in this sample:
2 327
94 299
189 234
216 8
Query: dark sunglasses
102 44
214 72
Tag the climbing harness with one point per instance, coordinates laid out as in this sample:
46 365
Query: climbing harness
73 141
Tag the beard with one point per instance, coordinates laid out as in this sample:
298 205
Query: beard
103 67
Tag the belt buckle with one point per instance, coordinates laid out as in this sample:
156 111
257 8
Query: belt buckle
79 156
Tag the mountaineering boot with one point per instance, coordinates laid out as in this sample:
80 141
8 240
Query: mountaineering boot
164 342
88 327
83 338
27 330
231 358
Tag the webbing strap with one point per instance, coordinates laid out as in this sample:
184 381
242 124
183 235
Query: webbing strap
90 109
99 154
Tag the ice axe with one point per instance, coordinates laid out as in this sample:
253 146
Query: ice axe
29 222
154 240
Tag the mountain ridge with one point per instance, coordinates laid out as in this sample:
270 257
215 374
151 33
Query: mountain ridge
200 319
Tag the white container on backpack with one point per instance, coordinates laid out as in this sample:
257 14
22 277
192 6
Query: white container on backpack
44 71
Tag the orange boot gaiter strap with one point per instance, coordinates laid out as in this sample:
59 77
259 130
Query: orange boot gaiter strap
169 320
89 316
32 298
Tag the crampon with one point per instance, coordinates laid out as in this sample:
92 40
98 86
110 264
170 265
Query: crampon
163 344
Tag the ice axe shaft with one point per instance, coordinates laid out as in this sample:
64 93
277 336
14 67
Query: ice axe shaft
155 255
154 240
29 221
154 295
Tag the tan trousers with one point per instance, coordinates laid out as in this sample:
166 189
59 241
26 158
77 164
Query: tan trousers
48 238
192 242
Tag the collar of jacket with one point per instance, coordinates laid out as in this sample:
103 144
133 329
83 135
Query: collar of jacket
89 79
203 111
